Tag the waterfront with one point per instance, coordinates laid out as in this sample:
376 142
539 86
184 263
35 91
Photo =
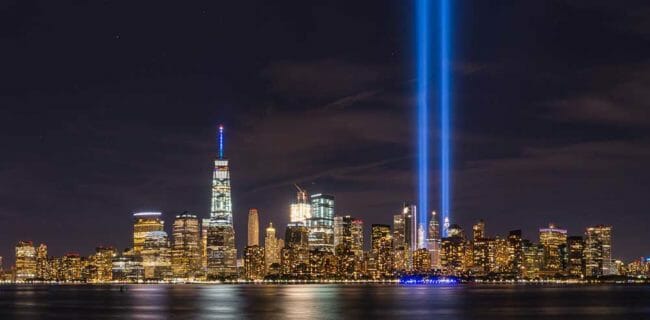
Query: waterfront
354 301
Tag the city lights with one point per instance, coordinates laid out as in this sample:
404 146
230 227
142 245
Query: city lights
319 246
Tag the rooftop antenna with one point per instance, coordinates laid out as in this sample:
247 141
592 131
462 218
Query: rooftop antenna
220 141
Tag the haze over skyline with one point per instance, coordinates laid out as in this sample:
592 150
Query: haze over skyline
113 108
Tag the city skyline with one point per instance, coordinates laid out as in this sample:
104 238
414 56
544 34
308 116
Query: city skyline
314 211
322 245
119 117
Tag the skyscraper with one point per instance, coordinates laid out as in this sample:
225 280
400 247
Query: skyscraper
434 240
271 248
453 253
220 240
478 230
553 239
348 242
533 259
598 251
254 266
382 250
186 249
409 212
321 223
300 211
102 264
145 223
515 252
295 255
575 259
25 261
156 256
253 227
41 262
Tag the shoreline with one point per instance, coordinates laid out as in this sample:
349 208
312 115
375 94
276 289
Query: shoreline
333 282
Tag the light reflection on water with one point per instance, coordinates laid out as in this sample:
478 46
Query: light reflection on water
323 302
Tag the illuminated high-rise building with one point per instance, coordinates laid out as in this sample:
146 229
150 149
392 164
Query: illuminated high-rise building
357 237
400 250
478 230
533 259
127 267
71 267
575 256
454 251
300 211
186 249
253 228
500 256
434 240
321 223
41 262
295 254
515 252
409 212
204 243
322 264
481 258
55 269
25 261
348 232
145 223
421 260
156 256
405 237
422 237
102 264
598 251
348 244
272 247
254 266
382 250
553 239
221 253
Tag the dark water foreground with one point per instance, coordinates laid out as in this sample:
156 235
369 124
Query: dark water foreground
324 302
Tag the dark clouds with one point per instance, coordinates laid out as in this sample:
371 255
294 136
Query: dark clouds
108 108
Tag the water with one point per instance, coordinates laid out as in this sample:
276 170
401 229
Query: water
324 302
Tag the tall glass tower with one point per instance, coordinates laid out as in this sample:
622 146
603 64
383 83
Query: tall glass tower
221 209
220 240
321 223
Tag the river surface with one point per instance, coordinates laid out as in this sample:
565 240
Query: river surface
324 302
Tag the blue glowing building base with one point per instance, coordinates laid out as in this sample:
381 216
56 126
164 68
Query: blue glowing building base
429 280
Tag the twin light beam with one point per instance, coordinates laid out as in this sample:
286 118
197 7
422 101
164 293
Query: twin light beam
423 28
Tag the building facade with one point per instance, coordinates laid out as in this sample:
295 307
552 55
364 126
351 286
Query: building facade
253 227
25 261
321 223
598 251
186 248
553 239
143 224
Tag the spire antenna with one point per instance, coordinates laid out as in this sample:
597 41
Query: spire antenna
220 141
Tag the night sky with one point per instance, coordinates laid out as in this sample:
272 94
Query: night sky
111 107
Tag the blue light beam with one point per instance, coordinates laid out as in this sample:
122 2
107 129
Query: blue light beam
422 27
445 135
